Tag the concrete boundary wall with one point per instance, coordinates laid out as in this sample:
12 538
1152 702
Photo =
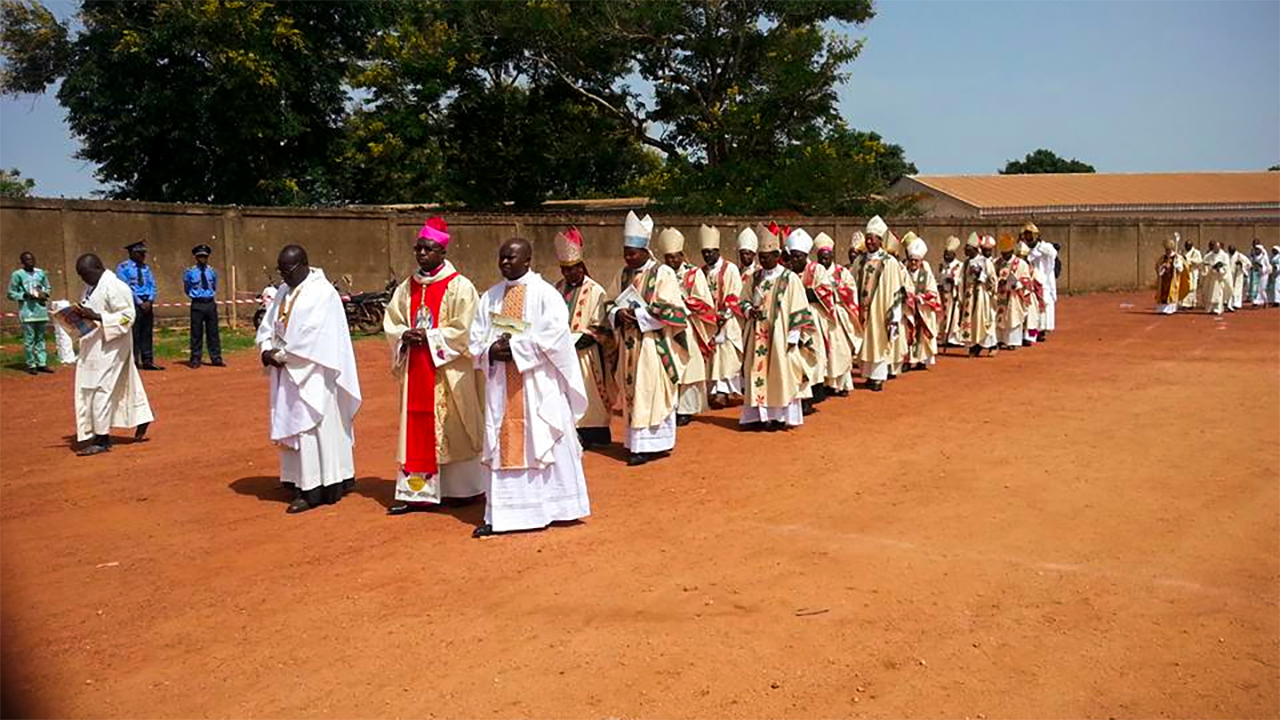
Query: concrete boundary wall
370 244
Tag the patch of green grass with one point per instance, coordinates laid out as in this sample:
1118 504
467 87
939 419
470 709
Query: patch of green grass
170 344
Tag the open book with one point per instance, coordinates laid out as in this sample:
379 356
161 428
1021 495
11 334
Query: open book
76 324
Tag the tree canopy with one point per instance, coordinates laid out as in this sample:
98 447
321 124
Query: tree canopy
1045 161
704 105
12 184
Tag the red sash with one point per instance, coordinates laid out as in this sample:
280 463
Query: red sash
420 397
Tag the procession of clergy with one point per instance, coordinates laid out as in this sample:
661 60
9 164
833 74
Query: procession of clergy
1219 280
493 386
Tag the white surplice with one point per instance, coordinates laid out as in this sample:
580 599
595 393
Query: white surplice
550 486
109 390
315 396
1042 258
1216 281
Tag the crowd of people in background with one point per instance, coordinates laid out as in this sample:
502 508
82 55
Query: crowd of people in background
500 392
1220 280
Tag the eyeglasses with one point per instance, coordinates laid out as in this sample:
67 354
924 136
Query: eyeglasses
285 271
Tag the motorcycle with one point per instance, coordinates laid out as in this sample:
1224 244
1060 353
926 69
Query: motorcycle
366 310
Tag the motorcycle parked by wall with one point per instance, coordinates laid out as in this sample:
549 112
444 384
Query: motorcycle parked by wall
365 310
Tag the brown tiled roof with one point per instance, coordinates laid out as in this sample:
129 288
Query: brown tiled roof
1083 192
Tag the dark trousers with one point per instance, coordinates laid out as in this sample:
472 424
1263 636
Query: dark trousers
142 326
204 324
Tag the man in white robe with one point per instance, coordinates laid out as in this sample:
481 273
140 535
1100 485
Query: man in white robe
1274 292
1042 257
109 390
314 390
534 395
1195 270
724 378
1238 271
1259 275
1217 279
649 318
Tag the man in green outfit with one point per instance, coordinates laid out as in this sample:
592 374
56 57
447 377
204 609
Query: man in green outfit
29 286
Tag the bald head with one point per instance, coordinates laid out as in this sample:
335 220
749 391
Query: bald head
514 257
292 265
89 267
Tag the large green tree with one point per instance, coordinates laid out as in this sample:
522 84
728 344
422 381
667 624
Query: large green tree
705 105
215 101
1044 161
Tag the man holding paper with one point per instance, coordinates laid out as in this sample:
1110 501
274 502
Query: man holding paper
428 325
109 390
314 390
649 319
534 395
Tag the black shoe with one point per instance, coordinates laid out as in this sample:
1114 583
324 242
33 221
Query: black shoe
875 385
194 364
217 362
43 369
140 433
405 508
973 351
31 371
635 459
682 420
483 531
298 505
149 366
1027 343
806 408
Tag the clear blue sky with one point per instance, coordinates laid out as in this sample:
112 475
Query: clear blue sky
966 85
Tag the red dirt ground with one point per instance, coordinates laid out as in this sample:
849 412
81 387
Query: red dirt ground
1084 529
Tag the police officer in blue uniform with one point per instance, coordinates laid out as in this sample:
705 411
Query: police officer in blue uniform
200 282
136 273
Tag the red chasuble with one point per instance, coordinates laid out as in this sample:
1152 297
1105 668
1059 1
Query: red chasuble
420 400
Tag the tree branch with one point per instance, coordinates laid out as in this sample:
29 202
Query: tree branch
626 115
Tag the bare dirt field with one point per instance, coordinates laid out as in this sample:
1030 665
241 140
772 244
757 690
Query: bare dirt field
1089 528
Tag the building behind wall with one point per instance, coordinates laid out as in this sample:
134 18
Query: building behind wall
1240 195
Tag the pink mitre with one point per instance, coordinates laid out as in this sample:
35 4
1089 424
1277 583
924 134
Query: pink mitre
436 230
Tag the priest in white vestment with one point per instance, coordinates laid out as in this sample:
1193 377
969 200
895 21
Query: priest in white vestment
724 374
314 391
950 277
428 327
108 389
1217 279
534 395
1259 275
649 318
1195 270
1238 270
1274 291
1043 257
